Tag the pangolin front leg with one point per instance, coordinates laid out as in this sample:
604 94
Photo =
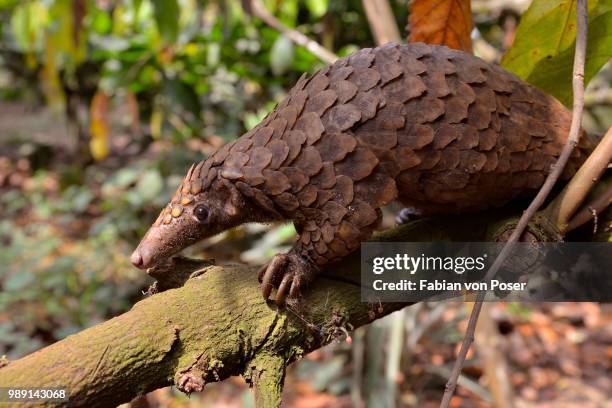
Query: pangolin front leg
315 248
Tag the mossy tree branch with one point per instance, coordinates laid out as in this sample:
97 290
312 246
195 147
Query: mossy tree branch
217 325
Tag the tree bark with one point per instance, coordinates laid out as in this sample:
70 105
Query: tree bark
217 325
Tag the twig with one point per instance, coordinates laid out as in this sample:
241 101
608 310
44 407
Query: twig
553 176
566 204
591 210
381 20
257 8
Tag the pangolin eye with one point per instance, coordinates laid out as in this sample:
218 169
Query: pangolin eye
201 213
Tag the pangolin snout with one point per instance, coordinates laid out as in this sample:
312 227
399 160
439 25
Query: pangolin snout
142 257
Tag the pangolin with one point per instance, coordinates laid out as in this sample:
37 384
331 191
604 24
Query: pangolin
437 129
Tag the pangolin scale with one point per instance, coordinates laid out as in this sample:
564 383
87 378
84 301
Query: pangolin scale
437 129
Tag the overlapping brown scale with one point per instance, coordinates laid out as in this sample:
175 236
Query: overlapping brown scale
371 135
361 213
487 139
327 232
262 136
319 245
456 105
404 88
236 159
503 161
318 83
294 139
389 51
343 190
253 175
535 143
471 161
219 156
310 224
468 137
279 150
203 170
449 158
499 80
323 196
480 112
419 49
349 233
296 177
411 65
307 195
311 127
520 161
320 102
346 90
425 109
242 144
406 157
469 69
368 103
389 71
338 247
365 78
362 58
357 165
278 126
334 147
260 157
231 173
514 137
378 189
452 179
446 134
326 178
334 211
541 161
416 136
244 188
298 100
275 182
287 201
263 201
435 82
341 117
309 161
340 73
289 114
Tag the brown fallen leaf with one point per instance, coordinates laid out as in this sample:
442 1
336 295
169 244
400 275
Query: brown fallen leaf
445 22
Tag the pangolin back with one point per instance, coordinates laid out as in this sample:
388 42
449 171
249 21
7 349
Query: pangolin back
438 129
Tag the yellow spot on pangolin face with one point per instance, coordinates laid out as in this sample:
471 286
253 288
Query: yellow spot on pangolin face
186 187
167 218
196 187
185 200
177 211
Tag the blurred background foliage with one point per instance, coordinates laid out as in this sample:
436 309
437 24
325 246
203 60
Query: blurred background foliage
104 105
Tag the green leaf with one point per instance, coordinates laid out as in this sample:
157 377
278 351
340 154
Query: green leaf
167 15
281 55
317 7
554 75
543 50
